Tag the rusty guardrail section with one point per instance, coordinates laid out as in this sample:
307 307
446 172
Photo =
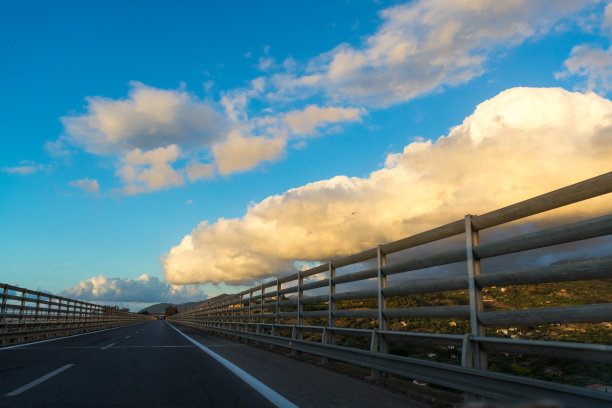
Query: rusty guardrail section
27 315
265 314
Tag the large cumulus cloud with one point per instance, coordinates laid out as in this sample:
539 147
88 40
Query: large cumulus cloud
518 144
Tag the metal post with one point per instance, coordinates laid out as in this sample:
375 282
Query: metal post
383 347
250 309
300 283
234 311
331 307
262 303
241 309
278 289
37 307
327 337
378 342
479 356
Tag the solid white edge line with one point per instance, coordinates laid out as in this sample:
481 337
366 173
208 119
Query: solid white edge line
38 381
267 392
60 338
109 346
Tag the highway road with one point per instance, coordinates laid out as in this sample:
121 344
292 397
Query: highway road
154 364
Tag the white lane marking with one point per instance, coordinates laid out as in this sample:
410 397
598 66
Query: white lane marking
127 337
109 346
38 381
267 392
60 338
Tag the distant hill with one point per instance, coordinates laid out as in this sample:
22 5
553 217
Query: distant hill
161 307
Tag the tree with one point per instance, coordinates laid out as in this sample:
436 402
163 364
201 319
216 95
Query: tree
171 310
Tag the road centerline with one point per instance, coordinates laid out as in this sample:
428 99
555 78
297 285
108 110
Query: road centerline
109 346
38 381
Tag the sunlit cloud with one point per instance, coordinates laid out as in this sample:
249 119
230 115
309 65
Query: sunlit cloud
518 144
306 121
148 118
86 184
240 153
591 63
145 289
24 167
421 47
150 170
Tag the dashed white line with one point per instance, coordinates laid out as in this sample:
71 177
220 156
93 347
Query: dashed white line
109 346
38 381
267 392
127 337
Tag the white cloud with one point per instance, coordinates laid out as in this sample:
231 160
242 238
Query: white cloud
25 167
521 143
235 101
57 148
144 289
607 20
592 63
265 64
148 118
240 153
197 171
422 46
87 185
150 170
305 121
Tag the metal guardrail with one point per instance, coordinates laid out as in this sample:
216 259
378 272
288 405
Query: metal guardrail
265 314
27 315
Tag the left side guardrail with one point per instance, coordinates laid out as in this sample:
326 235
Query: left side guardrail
27 315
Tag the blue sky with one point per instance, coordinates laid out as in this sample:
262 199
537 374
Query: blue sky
126 125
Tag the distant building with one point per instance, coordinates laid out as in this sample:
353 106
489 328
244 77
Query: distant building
600 387
553 371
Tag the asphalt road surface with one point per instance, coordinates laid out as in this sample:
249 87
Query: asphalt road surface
153 364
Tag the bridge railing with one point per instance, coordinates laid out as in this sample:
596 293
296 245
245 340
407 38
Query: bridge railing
27 315
278 312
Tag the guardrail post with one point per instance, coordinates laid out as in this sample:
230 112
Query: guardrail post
328 335
380 344
331 306
262 303
22 318
250 309
3 322
479 356
241 309
374 346
300 284
278 289
294 335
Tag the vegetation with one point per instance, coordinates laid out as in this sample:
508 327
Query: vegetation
577 373
171 310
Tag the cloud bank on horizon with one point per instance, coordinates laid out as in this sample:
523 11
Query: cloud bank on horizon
144 289
161 139
518 144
